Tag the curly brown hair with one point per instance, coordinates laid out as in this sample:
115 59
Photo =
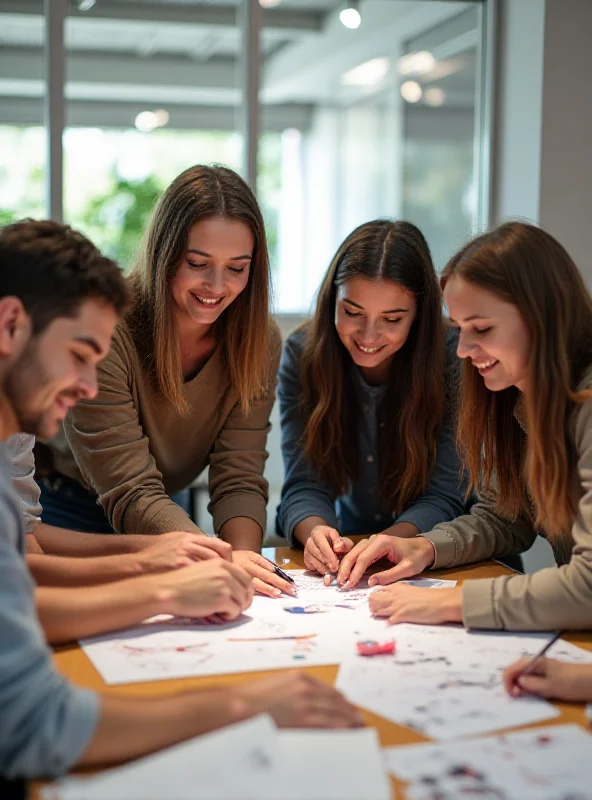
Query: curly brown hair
53 269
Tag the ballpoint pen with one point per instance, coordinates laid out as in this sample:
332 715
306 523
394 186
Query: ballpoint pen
280 572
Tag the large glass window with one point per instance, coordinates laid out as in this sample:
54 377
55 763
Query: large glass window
386 129
148 96
22 137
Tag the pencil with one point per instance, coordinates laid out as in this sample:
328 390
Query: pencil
528 668
271 638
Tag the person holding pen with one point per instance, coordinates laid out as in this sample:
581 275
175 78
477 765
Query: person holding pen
550 678
525 430
189 382
60 301
367 393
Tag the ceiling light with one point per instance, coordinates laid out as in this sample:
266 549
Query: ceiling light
350 16
367 74
162 117
146 121
269 3
411 91
86 5
416 63
434 96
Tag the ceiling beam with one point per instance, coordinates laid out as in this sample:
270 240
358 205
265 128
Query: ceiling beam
22 63
291 22
100 114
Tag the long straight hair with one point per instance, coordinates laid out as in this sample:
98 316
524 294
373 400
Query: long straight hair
199 193
412 410
525 266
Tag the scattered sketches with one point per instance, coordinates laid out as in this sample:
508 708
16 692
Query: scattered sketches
551 763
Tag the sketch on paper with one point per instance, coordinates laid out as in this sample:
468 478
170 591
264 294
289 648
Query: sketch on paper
552 763
444 681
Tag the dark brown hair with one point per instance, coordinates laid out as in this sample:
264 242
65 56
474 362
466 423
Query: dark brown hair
199 193
53 269
412 410
525 266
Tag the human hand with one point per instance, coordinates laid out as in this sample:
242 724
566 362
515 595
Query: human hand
261 570
550 678
402 603
297 700
179 549
323 550
411 556
204 589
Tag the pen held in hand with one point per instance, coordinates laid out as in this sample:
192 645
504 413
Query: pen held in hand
281 574
533 661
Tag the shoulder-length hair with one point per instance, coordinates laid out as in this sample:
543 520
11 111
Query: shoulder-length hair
199 193
412 409
525 266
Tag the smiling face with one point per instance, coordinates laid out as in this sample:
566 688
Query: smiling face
373 319
58 367
493 334
214 270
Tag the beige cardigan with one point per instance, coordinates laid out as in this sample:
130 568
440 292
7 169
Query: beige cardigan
134 450
556 598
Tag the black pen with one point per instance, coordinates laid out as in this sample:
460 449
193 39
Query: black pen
280 572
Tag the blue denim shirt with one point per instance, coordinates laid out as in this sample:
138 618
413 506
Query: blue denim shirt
359 511
46 723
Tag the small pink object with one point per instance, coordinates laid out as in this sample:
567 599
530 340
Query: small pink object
372 648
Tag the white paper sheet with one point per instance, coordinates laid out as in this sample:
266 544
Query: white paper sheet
248 761
551 763
164 647
446 682
195 770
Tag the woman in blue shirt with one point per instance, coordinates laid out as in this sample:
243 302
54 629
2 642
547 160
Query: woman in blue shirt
367 392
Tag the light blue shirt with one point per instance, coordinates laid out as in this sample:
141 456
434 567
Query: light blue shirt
46 723
359 510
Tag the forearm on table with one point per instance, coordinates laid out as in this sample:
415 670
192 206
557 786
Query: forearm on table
243 533
62 542
304 528
71 571
132 727
67 614
404 530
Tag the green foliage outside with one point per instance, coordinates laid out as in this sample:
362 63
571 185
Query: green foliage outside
116 219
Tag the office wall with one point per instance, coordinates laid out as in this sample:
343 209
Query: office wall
566 146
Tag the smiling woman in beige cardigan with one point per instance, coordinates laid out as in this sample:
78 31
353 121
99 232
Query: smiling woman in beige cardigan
525 426
189 382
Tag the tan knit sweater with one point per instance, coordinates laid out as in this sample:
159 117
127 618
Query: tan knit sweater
134 450
556 598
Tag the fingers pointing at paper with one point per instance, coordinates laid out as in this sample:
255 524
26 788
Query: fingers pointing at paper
411 556
297 700
324 548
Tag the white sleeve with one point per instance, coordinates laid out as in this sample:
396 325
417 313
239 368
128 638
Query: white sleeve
20 447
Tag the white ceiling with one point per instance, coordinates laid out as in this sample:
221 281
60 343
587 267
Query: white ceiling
185 52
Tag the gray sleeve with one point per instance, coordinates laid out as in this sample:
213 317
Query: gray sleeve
45 722
446 495
20 447
303 494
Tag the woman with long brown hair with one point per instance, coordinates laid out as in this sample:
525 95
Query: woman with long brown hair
189 382
366 391
525 429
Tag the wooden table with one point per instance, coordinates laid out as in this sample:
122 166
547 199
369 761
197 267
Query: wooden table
73 663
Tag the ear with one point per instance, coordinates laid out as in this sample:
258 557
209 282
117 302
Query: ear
15 327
